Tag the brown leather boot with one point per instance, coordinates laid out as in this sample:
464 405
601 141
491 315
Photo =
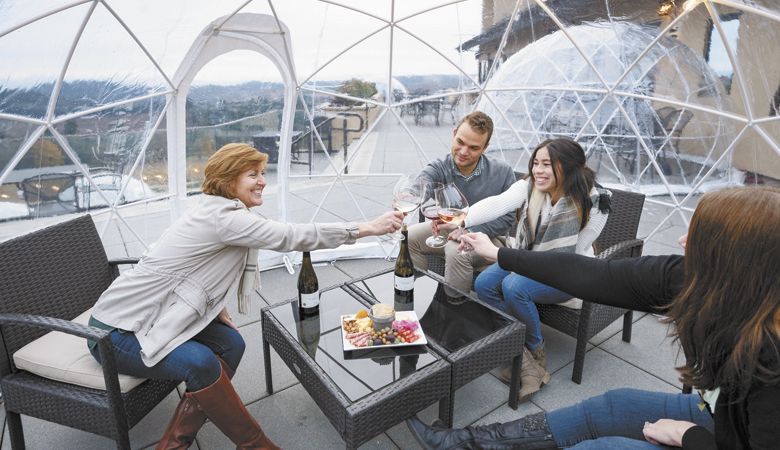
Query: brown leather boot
187 420
224 407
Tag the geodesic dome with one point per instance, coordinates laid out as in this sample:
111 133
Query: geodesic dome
112 107
606 103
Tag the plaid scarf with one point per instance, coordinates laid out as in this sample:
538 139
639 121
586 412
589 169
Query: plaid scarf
560 232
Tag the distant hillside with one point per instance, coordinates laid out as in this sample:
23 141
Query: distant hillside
236 93
419 84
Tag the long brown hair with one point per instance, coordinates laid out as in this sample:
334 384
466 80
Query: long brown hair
728 313
571 171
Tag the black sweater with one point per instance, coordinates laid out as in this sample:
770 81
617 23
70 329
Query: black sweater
649 284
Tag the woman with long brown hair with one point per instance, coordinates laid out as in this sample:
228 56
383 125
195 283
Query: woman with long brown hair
723 298
560 210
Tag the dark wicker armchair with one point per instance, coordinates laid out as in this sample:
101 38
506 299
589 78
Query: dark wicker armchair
583 324
47 278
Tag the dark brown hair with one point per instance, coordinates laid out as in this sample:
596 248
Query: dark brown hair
480 123
226 164
571 171
728 313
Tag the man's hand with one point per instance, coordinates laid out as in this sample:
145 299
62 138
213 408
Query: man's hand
666 432
481 245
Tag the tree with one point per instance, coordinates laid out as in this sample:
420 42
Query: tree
355 88
44 153
70 127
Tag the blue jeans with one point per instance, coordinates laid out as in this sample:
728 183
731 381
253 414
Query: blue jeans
615 419
194 362
517 295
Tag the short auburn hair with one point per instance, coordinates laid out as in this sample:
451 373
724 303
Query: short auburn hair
226 164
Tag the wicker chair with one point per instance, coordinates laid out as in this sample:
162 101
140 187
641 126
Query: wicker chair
47 278
583 324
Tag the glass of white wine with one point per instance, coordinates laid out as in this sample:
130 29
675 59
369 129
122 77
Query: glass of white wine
408 193
453 207
430 210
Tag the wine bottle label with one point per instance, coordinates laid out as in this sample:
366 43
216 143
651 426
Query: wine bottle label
310 300
404 283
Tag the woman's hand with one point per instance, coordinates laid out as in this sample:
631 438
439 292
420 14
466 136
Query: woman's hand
683 241
481 245
384 224
224 317
666 432
438 225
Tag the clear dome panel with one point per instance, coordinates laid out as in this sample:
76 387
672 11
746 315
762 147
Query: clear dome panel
38 52
435 72
148 176
320 35
15 12
169 32
131 234
110 143
379 8
324 132
757 153
738 32
90 82
13 135
237 97
48 180
429 42
675 67
560 95
663 223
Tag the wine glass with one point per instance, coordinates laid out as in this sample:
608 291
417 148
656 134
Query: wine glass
453 207
408 193
430 210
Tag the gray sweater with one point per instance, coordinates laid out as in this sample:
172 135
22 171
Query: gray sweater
491 177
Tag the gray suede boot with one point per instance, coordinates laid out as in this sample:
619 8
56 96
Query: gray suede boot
529 433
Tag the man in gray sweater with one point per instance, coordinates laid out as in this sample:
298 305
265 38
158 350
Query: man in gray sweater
476 176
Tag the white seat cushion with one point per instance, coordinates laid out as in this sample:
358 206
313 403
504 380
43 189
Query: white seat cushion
573 303
64 357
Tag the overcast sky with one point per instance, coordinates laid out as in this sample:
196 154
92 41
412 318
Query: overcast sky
319 31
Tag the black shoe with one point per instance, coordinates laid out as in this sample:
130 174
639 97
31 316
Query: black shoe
530 433
435 438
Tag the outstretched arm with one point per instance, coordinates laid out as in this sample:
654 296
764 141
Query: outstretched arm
648 283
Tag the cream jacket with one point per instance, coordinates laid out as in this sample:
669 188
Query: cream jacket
184 281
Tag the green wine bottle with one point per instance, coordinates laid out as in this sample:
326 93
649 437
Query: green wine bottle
308 328
404 276
308 288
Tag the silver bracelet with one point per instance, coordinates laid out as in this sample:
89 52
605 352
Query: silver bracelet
353 230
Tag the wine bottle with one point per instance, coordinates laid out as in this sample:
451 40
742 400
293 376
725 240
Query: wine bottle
308 288
308 328
404 276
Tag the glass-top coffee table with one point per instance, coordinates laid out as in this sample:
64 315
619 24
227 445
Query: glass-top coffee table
361 392
474 337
